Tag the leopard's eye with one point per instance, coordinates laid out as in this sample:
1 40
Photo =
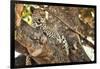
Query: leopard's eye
39 20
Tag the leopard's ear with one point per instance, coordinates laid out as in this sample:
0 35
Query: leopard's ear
32 9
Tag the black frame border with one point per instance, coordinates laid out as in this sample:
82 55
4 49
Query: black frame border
12 28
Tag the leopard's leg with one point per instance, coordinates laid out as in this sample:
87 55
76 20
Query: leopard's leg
28 60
